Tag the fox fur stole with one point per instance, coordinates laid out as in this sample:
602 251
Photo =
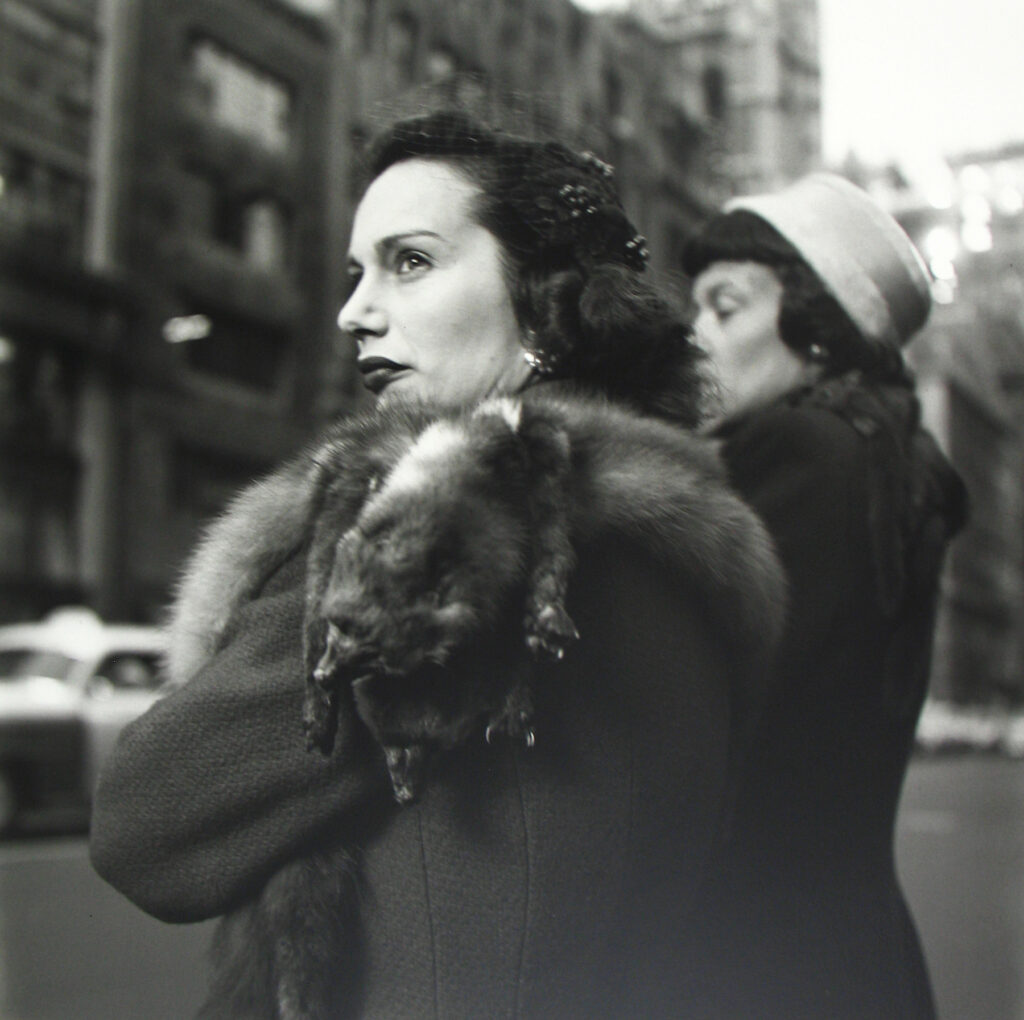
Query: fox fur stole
424 527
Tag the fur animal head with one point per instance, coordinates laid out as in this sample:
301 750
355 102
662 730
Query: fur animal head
435 552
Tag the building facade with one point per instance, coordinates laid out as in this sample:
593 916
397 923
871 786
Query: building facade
968 220
753 80
62 319
164 288
178 181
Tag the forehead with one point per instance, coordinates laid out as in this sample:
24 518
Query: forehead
414 195
749 277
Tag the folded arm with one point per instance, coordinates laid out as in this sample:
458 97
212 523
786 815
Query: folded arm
212 789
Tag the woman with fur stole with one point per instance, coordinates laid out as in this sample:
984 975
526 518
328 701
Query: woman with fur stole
516 610
805 298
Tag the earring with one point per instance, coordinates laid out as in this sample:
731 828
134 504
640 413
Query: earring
817 353
540 361
536 362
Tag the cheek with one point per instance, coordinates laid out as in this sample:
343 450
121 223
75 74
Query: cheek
431 326
748 338
478 322
725 343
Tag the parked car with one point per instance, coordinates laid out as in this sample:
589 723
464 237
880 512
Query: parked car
68 684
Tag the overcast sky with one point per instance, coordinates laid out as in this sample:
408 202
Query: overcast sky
912 79
942 76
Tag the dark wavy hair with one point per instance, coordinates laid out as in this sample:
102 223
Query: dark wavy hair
808 314
573 260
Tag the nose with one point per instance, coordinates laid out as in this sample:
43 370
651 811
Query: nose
362 316
702 325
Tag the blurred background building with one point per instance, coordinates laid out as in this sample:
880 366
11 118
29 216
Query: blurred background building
965 213
176 184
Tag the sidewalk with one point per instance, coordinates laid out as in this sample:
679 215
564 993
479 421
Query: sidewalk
947 727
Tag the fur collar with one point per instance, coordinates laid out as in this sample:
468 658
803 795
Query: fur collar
423 527
421 524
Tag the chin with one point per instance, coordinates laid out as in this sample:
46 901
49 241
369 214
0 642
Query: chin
407 387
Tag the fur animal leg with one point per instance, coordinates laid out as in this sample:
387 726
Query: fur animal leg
405 767
548 628
320 718
515 714
320 706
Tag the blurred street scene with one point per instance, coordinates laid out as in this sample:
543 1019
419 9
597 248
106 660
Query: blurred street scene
177 181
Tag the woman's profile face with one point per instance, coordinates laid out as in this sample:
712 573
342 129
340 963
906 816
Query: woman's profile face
430 310
737 324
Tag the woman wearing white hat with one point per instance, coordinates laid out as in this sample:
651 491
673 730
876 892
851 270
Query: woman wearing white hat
804 299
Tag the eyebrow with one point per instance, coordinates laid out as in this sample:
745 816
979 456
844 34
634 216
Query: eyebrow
713 291
707 291
392 241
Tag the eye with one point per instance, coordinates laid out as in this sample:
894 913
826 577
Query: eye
725 308
409 261
353 274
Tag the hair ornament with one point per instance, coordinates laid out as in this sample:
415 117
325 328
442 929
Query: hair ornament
579 200
637 251
603 168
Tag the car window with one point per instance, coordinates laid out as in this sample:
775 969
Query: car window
131 670
16 663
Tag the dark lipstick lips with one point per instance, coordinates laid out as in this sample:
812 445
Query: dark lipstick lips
379 372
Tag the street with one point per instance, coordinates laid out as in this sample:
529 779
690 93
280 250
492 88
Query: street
72 949
961 855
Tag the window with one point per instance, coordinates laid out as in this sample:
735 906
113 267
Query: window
40 204
49 58
38 394
612 91
238 348
715 92
364 15
238 95
256 227
577 29
402 39
546 44
264 239
38 464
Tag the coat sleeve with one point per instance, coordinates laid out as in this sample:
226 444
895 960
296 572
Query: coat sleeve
212 789
803 470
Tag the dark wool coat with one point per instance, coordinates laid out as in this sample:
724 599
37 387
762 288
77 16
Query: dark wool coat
552 881
861 504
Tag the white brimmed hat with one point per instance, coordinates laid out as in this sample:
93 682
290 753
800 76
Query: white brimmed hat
859 251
